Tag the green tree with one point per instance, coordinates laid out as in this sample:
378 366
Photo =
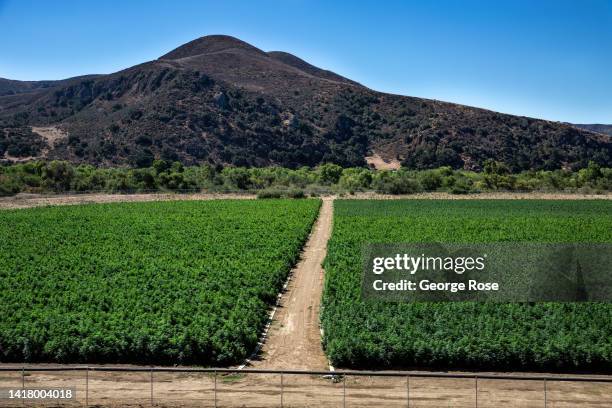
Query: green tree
329 173
58 175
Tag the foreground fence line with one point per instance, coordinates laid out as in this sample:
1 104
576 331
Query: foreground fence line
337 376
338 373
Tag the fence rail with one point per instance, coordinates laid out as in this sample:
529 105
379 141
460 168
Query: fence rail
359 373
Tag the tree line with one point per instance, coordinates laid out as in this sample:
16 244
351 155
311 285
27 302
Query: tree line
63 176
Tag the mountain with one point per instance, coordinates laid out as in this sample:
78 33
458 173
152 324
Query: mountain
598 128
220 100
12 87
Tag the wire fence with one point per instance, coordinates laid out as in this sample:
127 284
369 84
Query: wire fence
222 387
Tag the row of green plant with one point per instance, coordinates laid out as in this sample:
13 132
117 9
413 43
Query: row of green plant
187 282
61 176
539 336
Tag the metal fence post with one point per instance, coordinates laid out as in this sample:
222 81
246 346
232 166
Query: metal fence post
408 391
476 389
215 389
344 391
22 384
545 394
281 390
151 386
87 387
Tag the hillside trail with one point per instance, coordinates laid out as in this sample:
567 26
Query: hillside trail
294 338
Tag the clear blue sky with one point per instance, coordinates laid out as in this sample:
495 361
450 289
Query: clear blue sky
546 59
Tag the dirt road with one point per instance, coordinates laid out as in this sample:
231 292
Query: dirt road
143 389
41 200
294 338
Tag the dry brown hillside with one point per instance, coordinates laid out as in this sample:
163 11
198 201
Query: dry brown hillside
220 100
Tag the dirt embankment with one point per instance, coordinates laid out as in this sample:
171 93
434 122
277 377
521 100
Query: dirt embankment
379 163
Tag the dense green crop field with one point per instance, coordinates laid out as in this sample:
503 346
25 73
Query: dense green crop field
541 336
165 282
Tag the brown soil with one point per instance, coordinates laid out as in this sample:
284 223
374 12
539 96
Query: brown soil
39 200
294 338
25 200
382 164
116 389
51 134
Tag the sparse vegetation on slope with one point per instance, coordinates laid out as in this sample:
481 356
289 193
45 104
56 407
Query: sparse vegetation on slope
604 129
219 100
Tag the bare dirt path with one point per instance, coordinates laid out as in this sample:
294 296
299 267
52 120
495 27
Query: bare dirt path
294 338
